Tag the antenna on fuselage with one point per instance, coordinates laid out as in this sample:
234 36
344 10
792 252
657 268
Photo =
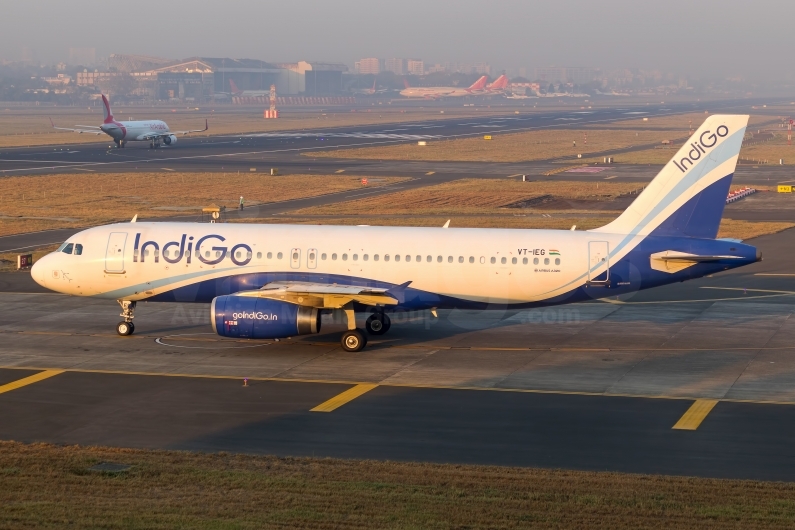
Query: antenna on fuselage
135 218
447 224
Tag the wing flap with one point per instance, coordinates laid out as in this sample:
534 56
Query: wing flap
322 295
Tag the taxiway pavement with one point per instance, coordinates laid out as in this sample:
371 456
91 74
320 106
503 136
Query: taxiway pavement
696 378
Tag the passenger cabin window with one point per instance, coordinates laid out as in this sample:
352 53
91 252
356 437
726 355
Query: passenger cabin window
386 257
259 255
270 255
344 257
78 249
471 259
524 261
503 261
323 256
546 261
557 261
334 257
279 255
493 261
535 261
68 248
419 258
513 261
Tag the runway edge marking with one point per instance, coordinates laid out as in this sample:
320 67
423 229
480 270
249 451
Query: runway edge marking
343 398
25 381
699 410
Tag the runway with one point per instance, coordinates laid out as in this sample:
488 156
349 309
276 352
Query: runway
691 379
284 149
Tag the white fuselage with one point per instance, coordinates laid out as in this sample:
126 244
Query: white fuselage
435 92
135 261
132 131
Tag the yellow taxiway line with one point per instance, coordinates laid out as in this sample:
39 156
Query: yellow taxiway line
699 410
25 381
343 398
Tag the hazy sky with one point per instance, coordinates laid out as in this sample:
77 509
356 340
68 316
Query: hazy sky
726 37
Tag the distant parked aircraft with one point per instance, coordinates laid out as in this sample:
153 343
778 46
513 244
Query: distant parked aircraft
248 93
436 92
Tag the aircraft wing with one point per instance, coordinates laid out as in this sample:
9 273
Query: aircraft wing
183 133
87 129
326 295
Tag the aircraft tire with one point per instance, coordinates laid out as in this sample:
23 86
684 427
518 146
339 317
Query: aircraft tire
125 328
378 324
353 340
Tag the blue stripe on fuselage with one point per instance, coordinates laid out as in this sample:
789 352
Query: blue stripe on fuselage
632 273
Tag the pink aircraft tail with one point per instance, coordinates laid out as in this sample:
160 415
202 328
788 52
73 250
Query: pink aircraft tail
406 83
106 110
480 84
234 88
374 81
500 83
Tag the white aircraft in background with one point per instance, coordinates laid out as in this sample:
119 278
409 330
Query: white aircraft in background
152 131
370 91
436 92
274 281
248 93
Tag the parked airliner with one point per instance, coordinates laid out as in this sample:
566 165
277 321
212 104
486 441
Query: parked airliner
152 131
436 92
268 281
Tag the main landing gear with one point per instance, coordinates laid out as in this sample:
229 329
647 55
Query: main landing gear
354 339
378 323
126 327
154 144
120 143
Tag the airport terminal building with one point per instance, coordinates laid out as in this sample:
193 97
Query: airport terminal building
209 78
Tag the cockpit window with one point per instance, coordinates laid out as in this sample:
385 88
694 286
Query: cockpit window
78 249
63 245
68 248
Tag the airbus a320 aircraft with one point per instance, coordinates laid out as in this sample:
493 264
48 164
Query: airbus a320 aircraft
152 131
273 281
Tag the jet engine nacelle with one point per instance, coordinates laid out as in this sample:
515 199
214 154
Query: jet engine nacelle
170 139
261 318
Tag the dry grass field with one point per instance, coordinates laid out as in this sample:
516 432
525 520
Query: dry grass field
560 220
763 153
28 127
517 147
32 203
553 143
46 486
474 196
476 203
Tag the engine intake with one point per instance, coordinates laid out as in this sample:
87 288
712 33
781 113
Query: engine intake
261 318
170 139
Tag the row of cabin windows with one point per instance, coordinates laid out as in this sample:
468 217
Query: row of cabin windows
240 255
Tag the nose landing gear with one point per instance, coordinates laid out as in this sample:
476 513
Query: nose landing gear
126 327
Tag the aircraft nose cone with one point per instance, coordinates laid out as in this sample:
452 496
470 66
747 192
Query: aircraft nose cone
37 272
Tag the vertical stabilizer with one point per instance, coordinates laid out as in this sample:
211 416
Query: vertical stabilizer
687 197
480 84
107 113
